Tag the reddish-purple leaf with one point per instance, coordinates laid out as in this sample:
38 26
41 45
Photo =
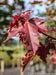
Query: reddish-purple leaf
44 48
29 35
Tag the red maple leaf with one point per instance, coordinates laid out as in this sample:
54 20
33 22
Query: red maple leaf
29 35
29 31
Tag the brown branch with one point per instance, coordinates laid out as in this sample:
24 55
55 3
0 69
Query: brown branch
48 35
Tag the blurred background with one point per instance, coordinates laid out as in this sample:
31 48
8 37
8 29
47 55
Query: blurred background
12 51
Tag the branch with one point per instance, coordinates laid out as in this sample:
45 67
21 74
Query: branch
48 35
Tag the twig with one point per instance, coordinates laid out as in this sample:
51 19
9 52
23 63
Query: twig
48 35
